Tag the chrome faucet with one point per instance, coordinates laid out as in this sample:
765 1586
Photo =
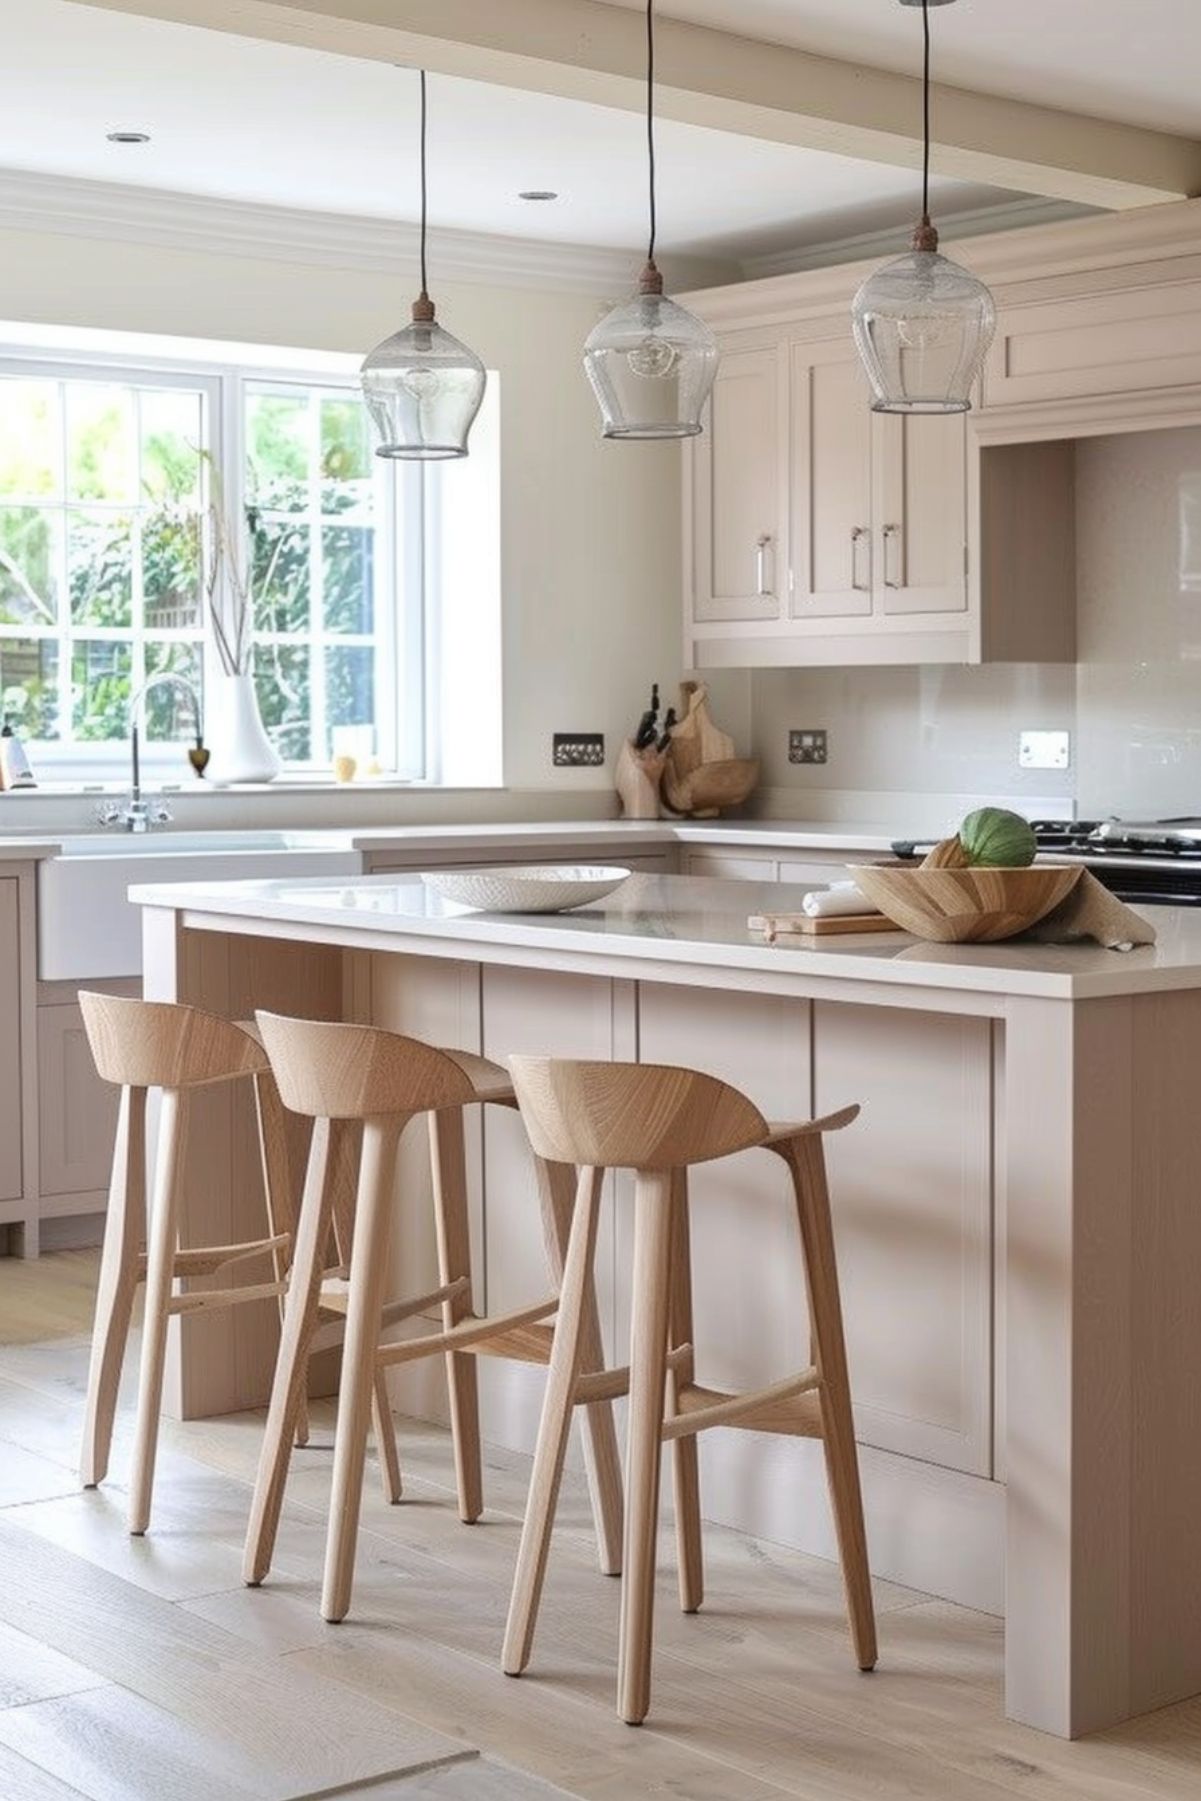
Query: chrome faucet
139 815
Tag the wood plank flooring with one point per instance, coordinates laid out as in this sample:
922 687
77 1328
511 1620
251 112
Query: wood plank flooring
143 1670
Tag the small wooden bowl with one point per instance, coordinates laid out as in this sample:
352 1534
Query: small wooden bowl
710 786
964 906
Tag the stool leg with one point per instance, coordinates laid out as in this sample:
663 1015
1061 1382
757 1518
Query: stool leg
648 1363
448 1163
685 1462
806 1158
368 1275
602 1460
162 1242
277 1191
292 1365
124 1228
384 1428
555 1426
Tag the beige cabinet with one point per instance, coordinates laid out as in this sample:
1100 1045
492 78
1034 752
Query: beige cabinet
77 1114
865 560
816 869
11 1163
1135 341
739 560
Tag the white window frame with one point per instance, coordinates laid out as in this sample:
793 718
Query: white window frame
405 744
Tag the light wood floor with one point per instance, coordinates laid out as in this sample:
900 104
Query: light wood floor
142 1670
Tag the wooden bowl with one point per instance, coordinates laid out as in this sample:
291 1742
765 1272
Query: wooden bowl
964 906
710 786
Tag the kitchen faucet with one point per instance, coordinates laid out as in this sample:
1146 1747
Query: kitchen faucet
137 815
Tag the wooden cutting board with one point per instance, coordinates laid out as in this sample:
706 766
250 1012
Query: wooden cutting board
802 925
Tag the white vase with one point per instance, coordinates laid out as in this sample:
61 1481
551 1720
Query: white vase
234 732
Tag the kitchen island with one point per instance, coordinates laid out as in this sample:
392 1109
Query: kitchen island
1017 1214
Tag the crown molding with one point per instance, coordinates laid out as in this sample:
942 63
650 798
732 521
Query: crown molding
1006 215
1118 248
71 207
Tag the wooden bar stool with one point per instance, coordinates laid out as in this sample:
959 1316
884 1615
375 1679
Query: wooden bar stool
657 1121
141 1045
343 1076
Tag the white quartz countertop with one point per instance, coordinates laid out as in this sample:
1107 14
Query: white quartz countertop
27 850
655 925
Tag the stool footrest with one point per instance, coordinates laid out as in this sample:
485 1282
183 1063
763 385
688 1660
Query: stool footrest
610 1385
206 1260
791 1406
464 1336
206 1300
334 1299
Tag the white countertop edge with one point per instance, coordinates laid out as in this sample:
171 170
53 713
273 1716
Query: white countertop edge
960 968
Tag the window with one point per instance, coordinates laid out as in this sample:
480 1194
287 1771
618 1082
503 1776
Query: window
104 476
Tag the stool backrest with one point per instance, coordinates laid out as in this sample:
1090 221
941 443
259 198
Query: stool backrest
330 1070
164 1044
631 1115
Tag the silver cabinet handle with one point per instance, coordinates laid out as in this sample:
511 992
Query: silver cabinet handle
858 534
761 547
891 535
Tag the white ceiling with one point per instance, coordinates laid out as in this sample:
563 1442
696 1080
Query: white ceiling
247 120
1137 61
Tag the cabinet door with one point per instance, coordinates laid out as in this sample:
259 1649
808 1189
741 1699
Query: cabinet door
921 513
830 511
10 1044
77 1112
737 465
812 872
911 1183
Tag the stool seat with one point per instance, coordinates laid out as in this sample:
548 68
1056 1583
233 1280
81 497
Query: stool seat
659 1120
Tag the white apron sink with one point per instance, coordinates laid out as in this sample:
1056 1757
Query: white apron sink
86 926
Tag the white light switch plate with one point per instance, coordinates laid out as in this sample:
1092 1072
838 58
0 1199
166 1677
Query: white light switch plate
1044 750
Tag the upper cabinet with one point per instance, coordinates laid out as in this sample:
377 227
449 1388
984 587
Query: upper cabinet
818 532
740 460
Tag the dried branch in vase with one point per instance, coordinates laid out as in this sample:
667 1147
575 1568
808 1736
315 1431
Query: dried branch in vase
227 581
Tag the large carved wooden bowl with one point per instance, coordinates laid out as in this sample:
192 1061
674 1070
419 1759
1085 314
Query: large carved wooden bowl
964 906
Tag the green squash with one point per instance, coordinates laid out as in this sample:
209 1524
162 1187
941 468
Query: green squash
997 839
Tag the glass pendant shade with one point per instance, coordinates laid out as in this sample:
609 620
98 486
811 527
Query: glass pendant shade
423 390
922 326
651 364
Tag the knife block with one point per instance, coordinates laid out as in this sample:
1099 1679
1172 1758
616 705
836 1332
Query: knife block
637 779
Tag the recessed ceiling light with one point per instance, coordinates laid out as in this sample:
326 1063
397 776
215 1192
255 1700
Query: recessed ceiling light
537 194
128 137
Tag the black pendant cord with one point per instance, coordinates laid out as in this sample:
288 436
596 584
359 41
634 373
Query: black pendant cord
650 120
926 110
424 282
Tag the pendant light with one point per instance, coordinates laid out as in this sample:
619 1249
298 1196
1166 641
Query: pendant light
651 363
923 324
422 387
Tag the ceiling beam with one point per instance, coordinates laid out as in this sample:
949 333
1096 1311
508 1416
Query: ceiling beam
586 50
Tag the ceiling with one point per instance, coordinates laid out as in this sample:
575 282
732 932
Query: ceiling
1136 61
242 119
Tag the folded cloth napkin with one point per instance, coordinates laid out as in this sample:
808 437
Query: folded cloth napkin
838 899
1089 910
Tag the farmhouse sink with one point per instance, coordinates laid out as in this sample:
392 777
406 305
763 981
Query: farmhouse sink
88 930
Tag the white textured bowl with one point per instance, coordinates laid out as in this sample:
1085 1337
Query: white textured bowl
532 888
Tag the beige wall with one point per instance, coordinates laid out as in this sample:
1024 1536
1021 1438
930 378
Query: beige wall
590 531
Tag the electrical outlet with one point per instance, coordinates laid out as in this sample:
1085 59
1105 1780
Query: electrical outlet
1044 750
578 750
807 746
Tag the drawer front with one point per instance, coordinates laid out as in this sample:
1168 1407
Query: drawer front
812 872
730 866
1147 338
